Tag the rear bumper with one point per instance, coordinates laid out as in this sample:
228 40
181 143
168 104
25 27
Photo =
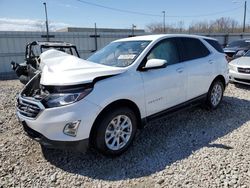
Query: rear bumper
79 145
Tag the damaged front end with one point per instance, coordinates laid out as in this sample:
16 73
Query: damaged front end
33 111
35 97
63 80
29 103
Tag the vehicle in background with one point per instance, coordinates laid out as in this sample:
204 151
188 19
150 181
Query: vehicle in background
237 48
29 68
102 101
239 69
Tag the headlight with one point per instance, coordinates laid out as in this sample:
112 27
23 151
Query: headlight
232 67
62 99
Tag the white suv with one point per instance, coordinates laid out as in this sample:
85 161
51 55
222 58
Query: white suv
74 103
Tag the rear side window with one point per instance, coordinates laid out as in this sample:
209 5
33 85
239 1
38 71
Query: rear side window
194 49
215 44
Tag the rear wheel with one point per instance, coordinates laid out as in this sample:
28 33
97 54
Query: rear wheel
116 131
215 94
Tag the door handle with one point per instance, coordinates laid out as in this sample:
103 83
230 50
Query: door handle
180 70
211 61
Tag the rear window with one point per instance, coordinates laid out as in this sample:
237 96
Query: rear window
194 49
215 44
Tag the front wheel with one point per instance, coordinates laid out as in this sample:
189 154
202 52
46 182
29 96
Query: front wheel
215 94
116 131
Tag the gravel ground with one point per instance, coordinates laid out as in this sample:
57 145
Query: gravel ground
193 148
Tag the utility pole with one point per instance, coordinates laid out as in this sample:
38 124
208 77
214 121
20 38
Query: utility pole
133 30
96 47
47 25
164 15
244 20
95 36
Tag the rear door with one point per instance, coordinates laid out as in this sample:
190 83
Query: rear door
199 64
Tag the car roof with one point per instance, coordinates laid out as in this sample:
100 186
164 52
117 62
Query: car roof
247 39
51 43
161 36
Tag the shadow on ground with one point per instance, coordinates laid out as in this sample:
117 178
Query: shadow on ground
242 86
160 144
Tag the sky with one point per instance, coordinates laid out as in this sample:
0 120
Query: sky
29 14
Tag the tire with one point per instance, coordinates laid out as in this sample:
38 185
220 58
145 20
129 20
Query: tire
113 138
215 94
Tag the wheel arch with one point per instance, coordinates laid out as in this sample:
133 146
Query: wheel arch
221 78
118 103
208 101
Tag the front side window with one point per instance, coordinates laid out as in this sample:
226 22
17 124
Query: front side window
165 50
119 54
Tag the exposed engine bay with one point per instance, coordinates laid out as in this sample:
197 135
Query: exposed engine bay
37 91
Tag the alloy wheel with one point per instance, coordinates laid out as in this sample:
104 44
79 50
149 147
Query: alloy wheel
118 132
216 94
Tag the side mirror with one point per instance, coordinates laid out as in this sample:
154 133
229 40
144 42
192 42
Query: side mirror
155 64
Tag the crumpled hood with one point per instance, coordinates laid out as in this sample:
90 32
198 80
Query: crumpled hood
59 68
242 61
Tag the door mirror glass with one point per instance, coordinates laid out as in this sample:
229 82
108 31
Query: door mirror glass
155 64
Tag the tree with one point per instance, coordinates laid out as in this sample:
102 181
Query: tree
220 25
169 28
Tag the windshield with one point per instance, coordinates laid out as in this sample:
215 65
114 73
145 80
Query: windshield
65 49
119 54
247 54
239 43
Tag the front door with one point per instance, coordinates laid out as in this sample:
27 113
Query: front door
164 87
